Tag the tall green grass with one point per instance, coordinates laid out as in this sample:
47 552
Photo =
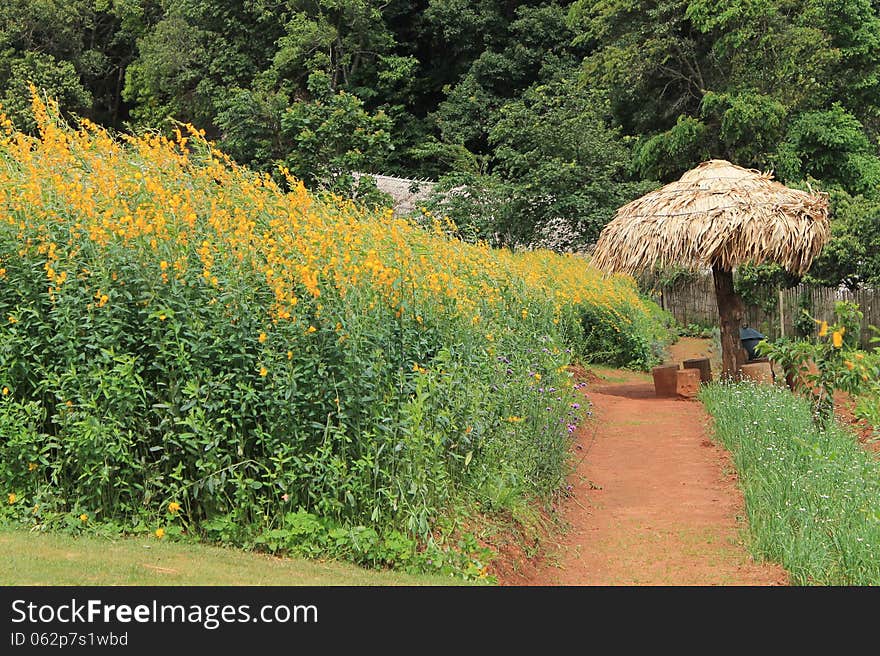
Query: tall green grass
812 496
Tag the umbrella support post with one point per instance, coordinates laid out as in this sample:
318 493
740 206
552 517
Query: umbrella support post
730 310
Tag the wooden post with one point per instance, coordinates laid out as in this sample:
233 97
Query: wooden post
730 311
781 315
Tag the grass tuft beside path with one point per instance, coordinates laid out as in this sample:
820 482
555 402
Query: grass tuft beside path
813 497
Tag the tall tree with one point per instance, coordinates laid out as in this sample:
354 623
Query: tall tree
569 165
76 51
731 78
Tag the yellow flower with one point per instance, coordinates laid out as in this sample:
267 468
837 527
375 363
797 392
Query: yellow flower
837 339
173 507
262 338
514 419
537 376
160 532
290 355
12 319
263 371
5 391
860 356
162 317
524 313
849 365
83 518
32 466
163 265
311 329
823 329
12 497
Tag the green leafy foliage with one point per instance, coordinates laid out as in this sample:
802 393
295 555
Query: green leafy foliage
749 125
852 257
333 136
570 167
826 364
670 153
53 78
758 284
830 146
558 172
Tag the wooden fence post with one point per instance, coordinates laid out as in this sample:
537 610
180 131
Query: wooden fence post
781 315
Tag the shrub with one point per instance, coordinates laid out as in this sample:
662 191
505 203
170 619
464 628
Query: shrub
837 365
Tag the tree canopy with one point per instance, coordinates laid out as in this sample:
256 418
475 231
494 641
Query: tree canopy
550 114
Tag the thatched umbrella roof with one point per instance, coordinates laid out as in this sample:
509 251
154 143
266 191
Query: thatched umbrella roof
716 215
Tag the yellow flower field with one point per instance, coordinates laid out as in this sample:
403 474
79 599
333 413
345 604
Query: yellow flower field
184 333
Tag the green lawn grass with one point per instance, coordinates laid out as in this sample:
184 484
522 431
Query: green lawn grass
28 558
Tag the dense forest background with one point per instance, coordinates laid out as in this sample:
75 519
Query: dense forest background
545 116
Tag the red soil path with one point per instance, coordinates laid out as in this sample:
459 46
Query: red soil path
653 500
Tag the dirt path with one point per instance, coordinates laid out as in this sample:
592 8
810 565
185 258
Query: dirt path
654 502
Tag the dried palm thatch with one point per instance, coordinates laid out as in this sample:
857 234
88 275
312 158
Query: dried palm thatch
717 215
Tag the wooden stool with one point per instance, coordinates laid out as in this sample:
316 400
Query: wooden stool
759 372
703 365
665 382
687 383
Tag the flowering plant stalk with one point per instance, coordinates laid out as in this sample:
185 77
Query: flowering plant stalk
825 364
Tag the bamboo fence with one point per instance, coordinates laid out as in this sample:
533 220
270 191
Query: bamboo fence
693 302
